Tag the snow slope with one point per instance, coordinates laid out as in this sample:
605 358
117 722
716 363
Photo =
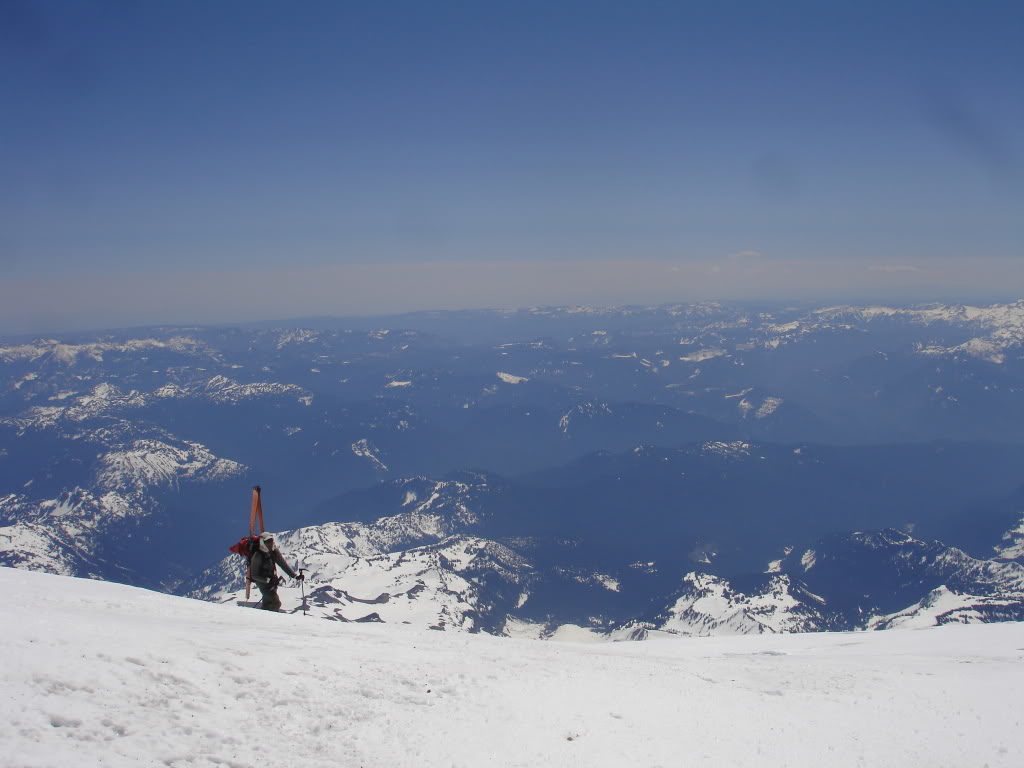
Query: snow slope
103 674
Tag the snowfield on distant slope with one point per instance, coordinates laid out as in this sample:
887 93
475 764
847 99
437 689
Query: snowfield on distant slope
103 674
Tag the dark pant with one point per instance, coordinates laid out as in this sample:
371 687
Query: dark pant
270 601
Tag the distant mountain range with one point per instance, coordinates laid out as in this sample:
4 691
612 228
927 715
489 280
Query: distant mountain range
620 471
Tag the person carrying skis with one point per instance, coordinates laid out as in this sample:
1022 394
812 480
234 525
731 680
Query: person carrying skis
264 572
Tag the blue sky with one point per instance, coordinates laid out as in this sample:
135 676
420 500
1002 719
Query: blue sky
167 162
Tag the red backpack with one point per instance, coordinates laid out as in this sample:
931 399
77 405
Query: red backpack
246 546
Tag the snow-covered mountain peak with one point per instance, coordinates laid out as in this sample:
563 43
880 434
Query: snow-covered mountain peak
587 411
947 606
106 399
731 449
149 463
70 354
289 336
709 605
1011 547
1002 324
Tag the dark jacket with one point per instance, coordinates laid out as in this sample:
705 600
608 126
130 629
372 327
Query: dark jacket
263 565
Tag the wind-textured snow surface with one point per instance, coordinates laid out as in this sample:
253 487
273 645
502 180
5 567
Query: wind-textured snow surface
103 674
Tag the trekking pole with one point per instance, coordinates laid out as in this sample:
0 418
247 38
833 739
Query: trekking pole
302 586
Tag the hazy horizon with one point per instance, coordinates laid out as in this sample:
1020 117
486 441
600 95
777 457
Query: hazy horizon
98 320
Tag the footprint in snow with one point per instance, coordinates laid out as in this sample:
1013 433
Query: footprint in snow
59 721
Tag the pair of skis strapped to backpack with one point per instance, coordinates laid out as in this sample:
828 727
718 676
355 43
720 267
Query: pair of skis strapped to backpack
246 546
